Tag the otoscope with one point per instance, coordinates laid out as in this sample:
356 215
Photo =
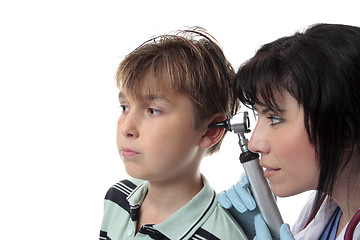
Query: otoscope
259 186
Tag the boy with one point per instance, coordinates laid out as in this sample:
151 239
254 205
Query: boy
171 88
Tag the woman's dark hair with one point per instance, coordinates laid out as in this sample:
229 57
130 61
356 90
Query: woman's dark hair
320 68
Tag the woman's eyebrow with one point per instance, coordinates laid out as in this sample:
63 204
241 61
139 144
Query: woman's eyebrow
263 109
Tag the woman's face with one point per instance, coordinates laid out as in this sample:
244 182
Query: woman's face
287 156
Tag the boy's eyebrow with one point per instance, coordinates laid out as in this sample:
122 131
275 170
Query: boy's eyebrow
122 96
149 97
154 97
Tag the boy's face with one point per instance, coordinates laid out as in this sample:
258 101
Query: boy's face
156 138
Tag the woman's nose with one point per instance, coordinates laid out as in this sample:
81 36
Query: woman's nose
258 142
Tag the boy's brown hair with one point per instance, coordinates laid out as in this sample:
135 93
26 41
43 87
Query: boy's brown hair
188 61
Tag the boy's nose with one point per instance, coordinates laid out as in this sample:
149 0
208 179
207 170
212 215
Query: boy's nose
127 126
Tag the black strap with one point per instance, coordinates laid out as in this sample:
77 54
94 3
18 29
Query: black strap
204 235
152 232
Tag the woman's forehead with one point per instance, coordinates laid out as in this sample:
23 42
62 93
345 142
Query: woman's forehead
278 101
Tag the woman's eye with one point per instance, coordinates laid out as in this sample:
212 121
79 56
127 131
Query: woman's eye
275 120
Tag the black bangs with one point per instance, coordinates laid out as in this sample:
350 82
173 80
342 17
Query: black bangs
261 81
271 72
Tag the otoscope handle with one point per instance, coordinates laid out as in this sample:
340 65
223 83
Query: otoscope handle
261 191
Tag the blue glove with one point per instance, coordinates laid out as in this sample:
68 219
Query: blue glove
263 233
241 204
238 196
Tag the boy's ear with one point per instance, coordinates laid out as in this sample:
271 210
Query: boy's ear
212 135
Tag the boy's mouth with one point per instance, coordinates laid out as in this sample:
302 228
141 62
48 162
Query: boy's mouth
125 152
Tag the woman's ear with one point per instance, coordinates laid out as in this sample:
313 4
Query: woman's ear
212 135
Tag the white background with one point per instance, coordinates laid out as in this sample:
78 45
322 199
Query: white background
58 99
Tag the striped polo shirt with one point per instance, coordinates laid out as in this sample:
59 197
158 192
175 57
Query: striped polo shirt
202 218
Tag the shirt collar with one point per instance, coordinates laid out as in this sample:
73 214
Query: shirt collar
184 222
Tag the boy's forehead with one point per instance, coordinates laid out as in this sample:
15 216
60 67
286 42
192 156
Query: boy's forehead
146 95
149 84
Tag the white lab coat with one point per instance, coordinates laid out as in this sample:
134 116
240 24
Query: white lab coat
317 225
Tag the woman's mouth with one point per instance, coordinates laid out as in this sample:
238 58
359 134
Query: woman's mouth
270 172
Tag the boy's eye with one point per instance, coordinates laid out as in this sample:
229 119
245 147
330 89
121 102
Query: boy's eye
124 108
153 111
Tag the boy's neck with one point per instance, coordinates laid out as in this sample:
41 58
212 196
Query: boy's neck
176 192
164 199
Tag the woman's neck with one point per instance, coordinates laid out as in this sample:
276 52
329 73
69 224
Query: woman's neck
346 193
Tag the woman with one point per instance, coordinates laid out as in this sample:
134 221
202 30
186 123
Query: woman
306 91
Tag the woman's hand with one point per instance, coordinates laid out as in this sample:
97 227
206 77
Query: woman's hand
263 232
242 206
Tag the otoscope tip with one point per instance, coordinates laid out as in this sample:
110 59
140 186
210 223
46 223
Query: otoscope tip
222 124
